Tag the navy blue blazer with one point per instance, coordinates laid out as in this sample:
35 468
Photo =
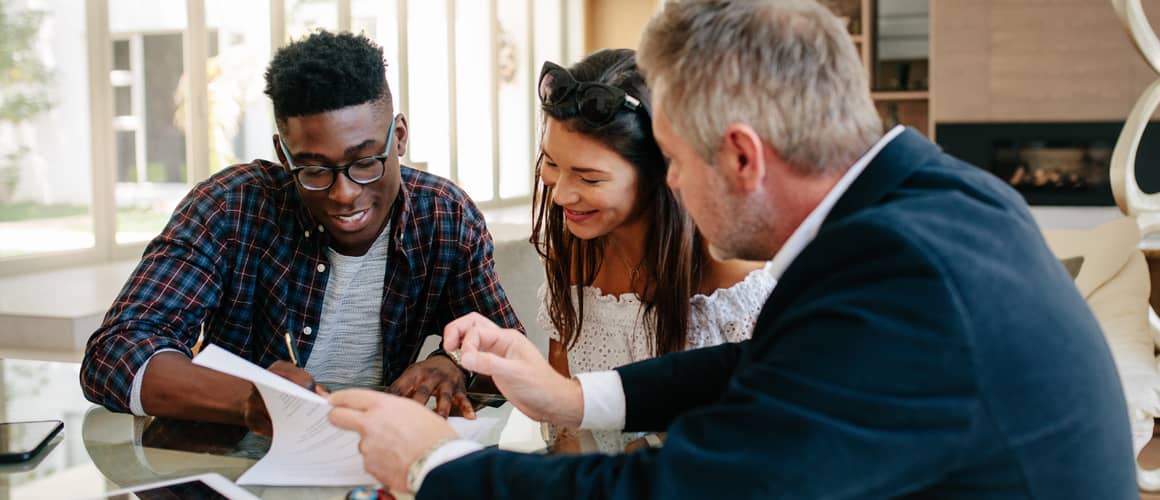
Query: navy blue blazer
925 344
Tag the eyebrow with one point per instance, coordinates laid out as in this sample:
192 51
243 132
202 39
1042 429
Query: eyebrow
577 168
349 151
588 170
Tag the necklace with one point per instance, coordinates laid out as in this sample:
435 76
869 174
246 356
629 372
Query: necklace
632 270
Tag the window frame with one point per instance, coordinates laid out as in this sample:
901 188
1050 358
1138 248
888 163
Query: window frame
195 48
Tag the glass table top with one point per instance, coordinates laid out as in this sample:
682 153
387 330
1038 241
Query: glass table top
101 451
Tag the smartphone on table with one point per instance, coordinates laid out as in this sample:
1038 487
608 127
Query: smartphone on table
20 441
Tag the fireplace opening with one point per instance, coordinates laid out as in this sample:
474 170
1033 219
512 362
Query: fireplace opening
1060 166
1052 163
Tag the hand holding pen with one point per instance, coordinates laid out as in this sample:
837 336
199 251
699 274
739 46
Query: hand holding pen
297 372
254 412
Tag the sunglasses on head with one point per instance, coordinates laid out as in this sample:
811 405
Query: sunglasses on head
595 103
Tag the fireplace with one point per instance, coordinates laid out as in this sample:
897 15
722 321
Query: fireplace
1052 163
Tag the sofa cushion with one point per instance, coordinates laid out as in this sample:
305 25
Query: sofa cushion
1114 280
521 273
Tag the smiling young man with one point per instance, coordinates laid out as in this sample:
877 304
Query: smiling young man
340 249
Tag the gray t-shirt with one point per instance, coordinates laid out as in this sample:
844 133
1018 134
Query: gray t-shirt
349 346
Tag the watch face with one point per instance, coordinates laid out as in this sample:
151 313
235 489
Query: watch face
414 472
455 356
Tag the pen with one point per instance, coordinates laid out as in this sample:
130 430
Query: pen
292 350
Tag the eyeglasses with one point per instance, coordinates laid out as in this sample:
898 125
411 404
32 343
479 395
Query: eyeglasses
361 171
595 103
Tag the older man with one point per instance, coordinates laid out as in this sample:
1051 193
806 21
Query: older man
921 342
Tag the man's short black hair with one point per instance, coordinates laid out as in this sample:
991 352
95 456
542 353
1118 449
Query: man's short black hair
324 72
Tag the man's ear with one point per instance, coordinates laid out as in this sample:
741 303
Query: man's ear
401 135
278 151
742 158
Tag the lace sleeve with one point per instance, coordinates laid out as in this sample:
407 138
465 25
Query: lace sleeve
728 315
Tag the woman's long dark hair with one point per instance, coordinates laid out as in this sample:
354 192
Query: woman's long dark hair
673 253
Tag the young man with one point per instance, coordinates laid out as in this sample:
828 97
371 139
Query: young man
340 249
883 365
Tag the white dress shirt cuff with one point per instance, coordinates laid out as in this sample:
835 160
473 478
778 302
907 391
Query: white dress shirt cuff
135 392
604 405
450 450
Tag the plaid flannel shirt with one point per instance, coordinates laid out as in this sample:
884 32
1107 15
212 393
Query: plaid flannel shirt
242 255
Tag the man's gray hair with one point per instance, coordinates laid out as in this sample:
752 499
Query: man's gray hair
787 68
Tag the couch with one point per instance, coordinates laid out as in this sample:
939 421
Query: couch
1114 280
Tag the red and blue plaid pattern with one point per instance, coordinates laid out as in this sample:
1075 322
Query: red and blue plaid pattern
243 255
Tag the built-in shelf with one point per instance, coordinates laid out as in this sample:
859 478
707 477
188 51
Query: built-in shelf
860 17
901 95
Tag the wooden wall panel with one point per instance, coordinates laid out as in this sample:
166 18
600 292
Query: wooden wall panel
1041 60
615 24
960 61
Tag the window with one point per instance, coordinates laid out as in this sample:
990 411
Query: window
152 174
46 181
238 112
105 125
464 73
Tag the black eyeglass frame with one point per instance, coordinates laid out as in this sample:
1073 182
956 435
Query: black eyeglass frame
564 93
345 169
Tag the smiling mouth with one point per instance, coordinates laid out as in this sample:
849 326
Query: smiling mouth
352 218
577 213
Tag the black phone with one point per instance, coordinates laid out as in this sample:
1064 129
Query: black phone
20 441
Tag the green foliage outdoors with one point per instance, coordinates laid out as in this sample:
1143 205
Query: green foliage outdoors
23 76
23 83
27 210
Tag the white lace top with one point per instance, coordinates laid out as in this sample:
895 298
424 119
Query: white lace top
613 332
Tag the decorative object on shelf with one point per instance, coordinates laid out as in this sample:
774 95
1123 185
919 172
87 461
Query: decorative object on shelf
1130 198
890 118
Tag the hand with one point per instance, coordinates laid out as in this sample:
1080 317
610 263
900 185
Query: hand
567 442
395 431
254 412
437 376
642 443
517 368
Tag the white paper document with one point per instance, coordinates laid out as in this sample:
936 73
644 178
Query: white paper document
307 450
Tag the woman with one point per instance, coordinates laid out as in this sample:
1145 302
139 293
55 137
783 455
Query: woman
628 276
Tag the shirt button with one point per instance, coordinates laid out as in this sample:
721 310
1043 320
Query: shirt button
307 234
307 330
321 229
322 268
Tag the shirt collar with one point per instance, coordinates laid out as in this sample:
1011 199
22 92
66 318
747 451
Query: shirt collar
809 227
